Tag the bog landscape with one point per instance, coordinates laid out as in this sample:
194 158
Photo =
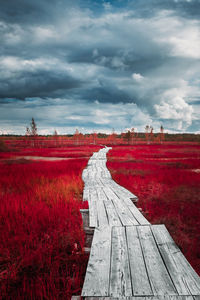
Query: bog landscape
100 150
42 237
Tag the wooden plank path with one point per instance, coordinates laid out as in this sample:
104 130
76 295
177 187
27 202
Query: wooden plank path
130 258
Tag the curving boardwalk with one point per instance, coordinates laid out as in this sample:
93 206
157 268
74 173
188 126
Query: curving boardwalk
129 258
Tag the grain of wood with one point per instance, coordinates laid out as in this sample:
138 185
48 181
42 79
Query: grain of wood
121 190
86 194
113 218
120 277
101 211
184 277
145 298
140 219
161 282
139 277
97 275
134 261
123 212
92 209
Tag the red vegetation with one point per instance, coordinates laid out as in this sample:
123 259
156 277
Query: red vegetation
166 180
41 227
65 152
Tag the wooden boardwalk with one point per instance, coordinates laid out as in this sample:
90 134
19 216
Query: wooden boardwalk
130 258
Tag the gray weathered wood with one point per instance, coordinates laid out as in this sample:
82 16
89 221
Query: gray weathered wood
123 212
145 298
129 258
136 213
139 277
98 270
101 211
158 275
86 194
120 278
113 218
92 209
140 219
184 277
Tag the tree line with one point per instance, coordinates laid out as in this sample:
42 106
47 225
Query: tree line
130 136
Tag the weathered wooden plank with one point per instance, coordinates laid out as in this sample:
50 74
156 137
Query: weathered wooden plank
139 277
121 190
162 272
76 298
101 211
113 218
123 212
92 209
183 275
145 298
136 213
141 220
85 174
120 277
86 194
97 276
161 282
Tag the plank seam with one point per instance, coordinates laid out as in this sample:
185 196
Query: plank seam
129 260
164 263
145 263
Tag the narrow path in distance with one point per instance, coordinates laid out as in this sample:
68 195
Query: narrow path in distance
129 257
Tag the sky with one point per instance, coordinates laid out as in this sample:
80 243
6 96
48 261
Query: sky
99 65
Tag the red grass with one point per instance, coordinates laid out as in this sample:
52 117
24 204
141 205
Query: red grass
41 228
166 179
70 151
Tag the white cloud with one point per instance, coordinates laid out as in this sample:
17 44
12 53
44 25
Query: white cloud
64 116
137 77
174 107
43 34
152 60
180 34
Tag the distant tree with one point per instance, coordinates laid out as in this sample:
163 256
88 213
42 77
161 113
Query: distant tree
151 133
94 137
33 128
28 132
162 136
112 137
147 132
55 135
127 136
32 131
76 137
132 135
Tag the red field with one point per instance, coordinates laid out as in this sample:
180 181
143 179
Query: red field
166 180
40 226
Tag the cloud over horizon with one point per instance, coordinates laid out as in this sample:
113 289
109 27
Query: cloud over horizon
98 65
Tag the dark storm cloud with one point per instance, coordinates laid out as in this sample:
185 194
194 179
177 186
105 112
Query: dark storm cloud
138 54
108 94
37 84
33 12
